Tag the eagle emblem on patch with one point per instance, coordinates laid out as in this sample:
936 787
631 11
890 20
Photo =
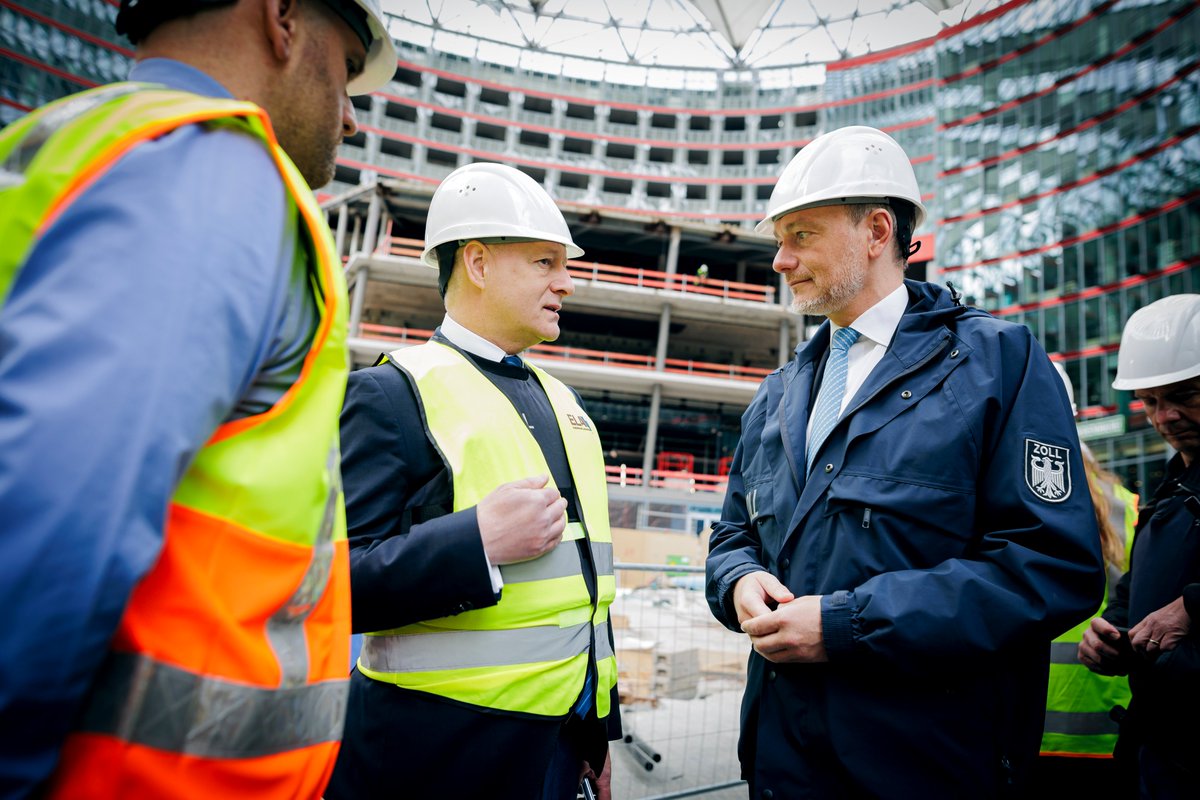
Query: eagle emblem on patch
1047 470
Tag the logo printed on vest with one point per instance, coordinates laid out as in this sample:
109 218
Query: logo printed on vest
579 422
1047 471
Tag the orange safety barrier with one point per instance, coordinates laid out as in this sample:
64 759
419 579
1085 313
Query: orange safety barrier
628 276
414 335
622 475
578 354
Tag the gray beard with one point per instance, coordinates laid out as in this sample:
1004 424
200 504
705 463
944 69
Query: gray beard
833 301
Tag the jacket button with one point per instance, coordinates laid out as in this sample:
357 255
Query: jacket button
829 467
767 794
906 394
954 354
787 562
770 674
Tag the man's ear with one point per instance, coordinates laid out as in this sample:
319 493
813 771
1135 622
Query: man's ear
882 231
476 260
280 24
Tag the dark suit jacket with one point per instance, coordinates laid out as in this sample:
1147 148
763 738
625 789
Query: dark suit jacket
411 560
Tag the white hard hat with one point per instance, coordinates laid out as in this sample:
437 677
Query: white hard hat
1066 379
380 65
492 201
1161 344
856 164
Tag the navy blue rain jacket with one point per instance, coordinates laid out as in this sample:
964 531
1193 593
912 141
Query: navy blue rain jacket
947 525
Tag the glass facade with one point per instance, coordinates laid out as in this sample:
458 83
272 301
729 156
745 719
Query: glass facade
1057 143
1067 175
51 48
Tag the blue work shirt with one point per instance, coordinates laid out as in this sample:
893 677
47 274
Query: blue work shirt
160 304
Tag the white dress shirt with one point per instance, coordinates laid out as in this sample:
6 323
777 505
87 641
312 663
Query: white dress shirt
875 327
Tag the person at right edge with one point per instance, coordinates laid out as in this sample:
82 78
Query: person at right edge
481 563
1080 733
1157 599
905 530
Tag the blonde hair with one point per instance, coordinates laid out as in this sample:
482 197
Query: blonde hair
1112 542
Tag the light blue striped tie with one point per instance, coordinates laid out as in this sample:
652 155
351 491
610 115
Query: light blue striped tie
829 400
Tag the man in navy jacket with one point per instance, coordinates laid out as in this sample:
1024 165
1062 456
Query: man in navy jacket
907 524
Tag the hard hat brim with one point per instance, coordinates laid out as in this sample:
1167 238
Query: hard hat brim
380 64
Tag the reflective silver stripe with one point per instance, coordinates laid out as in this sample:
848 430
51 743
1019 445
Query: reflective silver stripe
285 628
54 119
1079 723
602 554
449 650
147 702
561 562
1065 653
603 642
1116 512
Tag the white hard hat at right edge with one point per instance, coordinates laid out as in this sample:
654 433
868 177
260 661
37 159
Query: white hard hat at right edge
855 164
1160 344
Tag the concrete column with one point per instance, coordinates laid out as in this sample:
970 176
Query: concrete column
664 332
472 100
651 434
428 81
672 265
339 239
602 113
374 214
358 298
558 110
643 116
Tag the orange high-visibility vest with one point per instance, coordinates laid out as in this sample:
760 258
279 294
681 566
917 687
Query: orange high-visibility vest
227 676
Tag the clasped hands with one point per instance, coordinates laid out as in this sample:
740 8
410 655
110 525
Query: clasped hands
782 628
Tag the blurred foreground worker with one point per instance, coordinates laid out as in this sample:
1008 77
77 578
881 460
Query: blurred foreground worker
172 366
904 530
480 552
1159 598
1080 732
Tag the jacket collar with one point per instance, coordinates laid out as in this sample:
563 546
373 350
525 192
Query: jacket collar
920 350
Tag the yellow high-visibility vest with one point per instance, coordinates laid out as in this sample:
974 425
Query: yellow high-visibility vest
529 653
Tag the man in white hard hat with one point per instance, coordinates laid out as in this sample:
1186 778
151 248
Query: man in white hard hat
172 367
481 559
1159 598
904 530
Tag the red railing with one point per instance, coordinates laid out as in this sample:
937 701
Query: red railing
623 475
628 276
552 352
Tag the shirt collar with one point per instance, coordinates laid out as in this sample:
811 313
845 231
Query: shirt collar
470 341
177 75
879 322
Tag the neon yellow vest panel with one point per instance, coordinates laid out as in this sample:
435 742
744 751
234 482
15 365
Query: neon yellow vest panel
529 653
40 174
1078 700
